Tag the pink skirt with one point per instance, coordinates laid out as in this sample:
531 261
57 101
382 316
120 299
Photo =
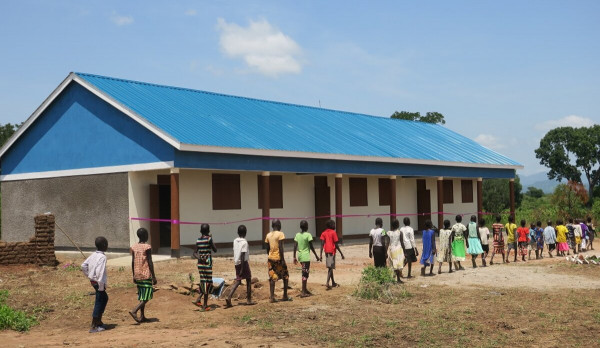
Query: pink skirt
563 247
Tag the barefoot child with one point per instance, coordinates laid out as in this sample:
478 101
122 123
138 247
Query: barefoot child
458 243
592 232
142 270
303 243
511 242
94 267
532 245
578 233
523 239
498 232
329 243
410 247
445 251
204 246
276 260
571 237
396 249
561 238
242 266
377 247
539 238
484 236
550 238
584 235
474 242
429 249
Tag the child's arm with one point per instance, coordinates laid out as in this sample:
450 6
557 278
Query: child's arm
296 248
281 251
151 265
370 247
313 250
132 264
322 245
337 246
212 246
85 267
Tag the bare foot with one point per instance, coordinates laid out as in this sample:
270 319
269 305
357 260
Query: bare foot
134 316
228 303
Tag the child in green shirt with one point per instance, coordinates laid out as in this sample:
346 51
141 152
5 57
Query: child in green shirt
303 244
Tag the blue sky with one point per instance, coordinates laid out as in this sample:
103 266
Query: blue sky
502 72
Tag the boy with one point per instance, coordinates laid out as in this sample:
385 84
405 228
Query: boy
303 244
276 261
550 238
242 266
142 269
511 243
329 243
94 267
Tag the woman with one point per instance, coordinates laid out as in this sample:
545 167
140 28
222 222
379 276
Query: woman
204 246
429 250
444 252
395 249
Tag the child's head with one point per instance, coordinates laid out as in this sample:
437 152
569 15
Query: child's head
395 224
532 225
101 243
549 223
589 219
559 222
498 218
473 218
446 224
242 231
482 222
379 222
428 224
406 221
205 229
511 218
538 224
142 234
523 223
303 225
330 225
570 220
276 225
458 218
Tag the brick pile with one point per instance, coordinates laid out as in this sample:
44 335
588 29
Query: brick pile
38 250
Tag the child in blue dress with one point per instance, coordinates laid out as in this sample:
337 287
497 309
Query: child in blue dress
429 249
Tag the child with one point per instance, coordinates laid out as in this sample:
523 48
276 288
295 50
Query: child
550 238
242 266
304 245
474 243
445 251
578 234
510 228
377 244
410 247
94 267
523 239
532 245
396 249
539 238
329 243
458 243
142 270
584 234
429 249
484 236
561 238
497 230
276 260
204 245
571 237
592 232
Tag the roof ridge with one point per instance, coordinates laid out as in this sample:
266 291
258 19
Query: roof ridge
247 98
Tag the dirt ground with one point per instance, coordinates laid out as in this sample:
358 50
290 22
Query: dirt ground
539 303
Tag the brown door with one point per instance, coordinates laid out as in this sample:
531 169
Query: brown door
154 214
322 203
423 203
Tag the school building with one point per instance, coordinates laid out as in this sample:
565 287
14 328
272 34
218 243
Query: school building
104 155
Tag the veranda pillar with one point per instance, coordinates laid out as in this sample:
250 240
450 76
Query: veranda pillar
479 199
392 198
338 206
266 203
440 202
175 240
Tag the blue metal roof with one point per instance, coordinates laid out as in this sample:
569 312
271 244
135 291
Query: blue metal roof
205 118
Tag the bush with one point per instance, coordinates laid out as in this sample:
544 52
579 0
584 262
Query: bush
13 319
377 283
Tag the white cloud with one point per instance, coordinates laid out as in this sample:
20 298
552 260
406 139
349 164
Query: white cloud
191 12
490 141
569 121
262 47
121 20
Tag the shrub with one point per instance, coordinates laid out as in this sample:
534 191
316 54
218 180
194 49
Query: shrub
14 319
377 283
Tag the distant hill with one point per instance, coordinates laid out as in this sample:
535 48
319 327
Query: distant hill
541 181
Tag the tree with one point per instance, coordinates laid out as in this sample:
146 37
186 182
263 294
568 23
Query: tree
430 117
534 192
7 130
568 152
496 195
570 199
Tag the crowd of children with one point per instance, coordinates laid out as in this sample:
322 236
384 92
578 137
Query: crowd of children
396 249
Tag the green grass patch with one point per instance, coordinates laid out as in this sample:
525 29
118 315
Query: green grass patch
377 283
11 319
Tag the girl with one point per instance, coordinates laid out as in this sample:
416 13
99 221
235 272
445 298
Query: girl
592 232
458 243
484 236
377 244
532 240
539 237
410 247
523 233
498 240
429 250
445 252
561 238
396 249
204 245
474 241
